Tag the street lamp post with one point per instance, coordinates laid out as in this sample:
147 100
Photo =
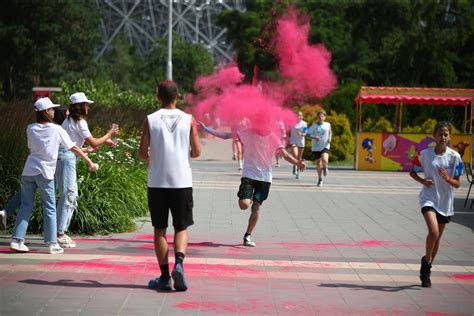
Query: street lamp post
169 65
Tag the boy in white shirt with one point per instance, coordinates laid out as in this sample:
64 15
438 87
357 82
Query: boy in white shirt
260 145
320 134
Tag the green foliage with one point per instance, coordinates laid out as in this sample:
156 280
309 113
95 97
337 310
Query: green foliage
44 41
189 62
380 125
108 93
342 100
428 128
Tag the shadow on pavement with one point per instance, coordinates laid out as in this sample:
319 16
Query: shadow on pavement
382 288
463 215
84 284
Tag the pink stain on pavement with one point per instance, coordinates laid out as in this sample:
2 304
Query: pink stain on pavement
249 306
442 314
460 276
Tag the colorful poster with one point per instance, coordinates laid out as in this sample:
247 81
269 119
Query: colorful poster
392 151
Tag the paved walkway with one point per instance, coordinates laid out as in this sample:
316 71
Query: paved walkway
351 247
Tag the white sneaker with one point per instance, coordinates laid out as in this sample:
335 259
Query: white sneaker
18 246
3 219
241 165
54 248
66 242
320 183
248 242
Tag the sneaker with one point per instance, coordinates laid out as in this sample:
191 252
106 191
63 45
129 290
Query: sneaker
3 220
320 183
297 176
234 157
248 242
18 246
66 242
240 165
278 164
325 171
180 283
425 272
160 284
55 248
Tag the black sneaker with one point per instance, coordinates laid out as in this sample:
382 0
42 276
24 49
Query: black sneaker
160 284
180 283
425 272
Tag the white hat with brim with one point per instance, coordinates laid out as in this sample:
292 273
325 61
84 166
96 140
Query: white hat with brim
79 97
44 104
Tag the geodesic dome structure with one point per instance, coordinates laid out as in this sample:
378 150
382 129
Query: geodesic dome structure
143 21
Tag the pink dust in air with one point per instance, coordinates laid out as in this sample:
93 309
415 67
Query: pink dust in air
224 99
305 66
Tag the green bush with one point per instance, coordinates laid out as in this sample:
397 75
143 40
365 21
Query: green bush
108 94
382 125
428 128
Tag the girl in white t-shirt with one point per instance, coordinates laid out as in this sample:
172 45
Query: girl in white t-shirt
44 139
297 141
442 168
78 130
320 134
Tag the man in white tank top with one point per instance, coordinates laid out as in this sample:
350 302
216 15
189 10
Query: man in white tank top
168 141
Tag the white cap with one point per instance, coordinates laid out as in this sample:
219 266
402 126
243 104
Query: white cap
44 104
79 97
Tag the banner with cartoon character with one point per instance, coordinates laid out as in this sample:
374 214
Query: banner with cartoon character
392 151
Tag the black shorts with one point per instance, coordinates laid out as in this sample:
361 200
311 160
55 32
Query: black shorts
318 154
179 201
441 218
253 189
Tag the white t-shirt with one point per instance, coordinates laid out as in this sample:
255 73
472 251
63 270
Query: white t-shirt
170 149
296 139
43 142
440 195
322 131
78 131
258 154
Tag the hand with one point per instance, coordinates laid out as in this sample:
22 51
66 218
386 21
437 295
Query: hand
114 130
111 143
89 149
203 126
428 182
443 173
93 167
301 165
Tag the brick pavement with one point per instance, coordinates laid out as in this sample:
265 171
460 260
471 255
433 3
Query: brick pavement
351 247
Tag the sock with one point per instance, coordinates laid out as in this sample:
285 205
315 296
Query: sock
246 235
179 257
165 271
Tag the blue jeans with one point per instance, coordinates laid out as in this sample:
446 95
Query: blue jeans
29 185
66 182
13 203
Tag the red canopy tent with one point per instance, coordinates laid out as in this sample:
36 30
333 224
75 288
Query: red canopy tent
400 96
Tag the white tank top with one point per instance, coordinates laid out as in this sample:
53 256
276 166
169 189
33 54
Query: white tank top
170 165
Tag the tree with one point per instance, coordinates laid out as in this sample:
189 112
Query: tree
44 41
189 62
